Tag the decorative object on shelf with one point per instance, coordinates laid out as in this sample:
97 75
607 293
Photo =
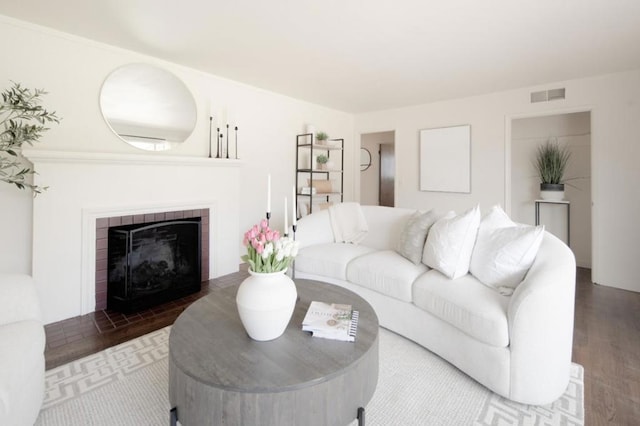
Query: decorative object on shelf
266 299
551 162
21 106
365 159
321 138
210 128
320 185
236 150
222 142
322 160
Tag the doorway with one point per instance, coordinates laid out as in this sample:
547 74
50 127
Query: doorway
377 179
572 130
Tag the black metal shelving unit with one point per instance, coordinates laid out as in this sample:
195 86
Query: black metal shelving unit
307 142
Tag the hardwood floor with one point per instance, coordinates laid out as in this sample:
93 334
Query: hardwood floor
77 337
606 342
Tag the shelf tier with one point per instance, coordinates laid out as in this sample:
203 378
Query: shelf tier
321 147
320 194
319 171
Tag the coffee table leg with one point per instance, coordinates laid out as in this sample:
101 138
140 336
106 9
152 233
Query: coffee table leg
360 416
173 416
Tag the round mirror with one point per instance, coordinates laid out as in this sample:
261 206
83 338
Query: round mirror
148 107
365 159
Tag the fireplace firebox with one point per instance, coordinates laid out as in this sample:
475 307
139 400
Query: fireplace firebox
152 263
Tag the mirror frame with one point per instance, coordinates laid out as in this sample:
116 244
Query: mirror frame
148 107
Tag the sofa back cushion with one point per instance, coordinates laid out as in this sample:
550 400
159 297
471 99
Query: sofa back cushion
385 226
504 251
414 234
450 243
314 229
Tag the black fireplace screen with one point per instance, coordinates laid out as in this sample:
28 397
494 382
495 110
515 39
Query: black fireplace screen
152 263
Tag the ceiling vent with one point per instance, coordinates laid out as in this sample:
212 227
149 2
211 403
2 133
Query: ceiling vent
548 95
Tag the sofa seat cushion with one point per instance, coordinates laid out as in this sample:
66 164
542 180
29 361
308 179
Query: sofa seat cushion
329 259
386 272
465 303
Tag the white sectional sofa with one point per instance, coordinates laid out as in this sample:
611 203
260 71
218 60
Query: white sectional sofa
22 342
519 345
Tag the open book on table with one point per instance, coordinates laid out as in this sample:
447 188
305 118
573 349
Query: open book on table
331 321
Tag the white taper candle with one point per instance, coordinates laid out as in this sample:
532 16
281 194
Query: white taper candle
269 193
286 222
294 213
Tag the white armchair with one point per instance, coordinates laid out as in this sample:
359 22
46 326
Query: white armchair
22 342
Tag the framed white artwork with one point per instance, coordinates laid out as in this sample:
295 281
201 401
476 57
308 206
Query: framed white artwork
445 159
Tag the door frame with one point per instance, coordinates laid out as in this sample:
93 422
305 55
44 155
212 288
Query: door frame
595 207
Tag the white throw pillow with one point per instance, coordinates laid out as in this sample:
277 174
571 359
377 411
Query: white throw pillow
504 251
414 234
450 243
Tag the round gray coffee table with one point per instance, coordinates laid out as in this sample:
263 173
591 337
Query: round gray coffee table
218 375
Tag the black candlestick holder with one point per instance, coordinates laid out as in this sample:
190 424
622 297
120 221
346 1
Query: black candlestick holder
227 141
210 128
294 227
217 142
236 129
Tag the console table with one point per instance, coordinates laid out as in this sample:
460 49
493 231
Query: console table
561 202
218 375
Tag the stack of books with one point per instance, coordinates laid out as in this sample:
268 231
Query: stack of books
331 321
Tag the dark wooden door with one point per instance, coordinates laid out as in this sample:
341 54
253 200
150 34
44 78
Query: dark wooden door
387 175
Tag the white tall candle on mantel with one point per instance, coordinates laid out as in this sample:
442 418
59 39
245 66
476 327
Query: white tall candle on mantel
293 207
269 193
286 222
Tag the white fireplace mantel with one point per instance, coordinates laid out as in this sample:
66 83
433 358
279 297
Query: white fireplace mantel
84 186
44 156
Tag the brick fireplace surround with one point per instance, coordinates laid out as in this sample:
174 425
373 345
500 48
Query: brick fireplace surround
102 243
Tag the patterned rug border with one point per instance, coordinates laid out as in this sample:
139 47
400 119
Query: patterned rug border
91 373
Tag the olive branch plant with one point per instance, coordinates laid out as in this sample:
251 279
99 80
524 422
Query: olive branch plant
19 109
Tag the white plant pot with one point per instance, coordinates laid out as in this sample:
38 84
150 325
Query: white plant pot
265 304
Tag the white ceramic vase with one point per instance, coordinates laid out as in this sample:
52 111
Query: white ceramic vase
265 303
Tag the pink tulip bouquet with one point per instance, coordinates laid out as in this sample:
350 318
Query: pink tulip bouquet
267 251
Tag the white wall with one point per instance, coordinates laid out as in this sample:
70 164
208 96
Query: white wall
614 102
72 70
570 130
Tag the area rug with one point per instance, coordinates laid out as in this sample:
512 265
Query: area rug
127 385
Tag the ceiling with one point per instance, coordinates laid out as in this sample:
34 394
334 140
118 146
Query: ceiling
364 55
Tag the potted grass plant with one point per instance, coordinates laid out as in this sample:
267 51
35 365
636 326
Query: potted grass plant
551 163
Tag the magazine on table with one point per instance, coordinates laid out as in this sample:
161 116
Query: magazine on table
331 321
